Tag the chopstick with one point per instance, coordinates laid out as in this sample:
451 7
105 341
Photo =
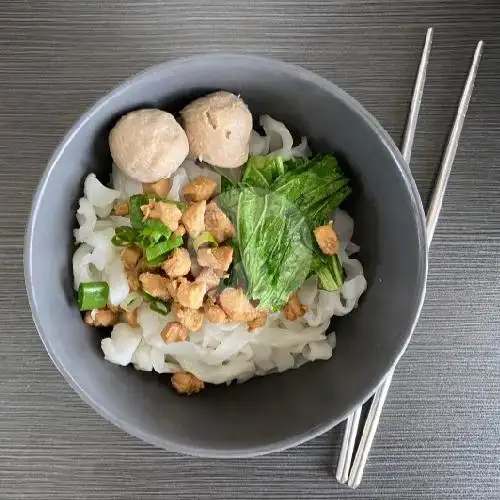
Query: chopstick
352 424
371 424
370 428
451 146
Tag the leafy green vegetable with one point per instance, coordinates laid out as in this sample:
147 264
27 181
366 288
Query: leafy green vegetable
225 184
295 163
272 237
329 271
317 188
237 277
262 171
229 200
275 209
229 178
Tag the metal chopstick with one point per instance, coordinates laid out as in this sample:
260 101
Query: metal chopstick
371 425
352 424
451 146
345 458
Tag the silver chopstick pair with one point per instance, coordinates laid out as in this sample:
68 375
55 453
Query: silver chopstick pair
353 475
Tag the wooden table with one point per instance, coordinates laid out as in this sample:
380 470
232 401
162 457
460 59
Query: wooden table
439 436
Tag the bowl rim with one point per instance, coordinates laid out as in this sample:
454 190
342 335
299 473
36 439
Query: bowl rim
296 71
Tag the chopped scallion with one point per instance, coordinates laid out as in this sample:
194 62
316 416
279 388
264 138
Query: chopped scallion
160 307
93 295
153 231
132 301
204 238
156 305
118 242
126 233
161 249
136 216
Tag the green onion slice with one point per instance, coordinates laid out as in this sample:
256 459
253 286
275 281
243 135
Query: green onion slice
161 249
93 295
160 307
135 213
126 233
156 305
181 205
118 242
154 231
132 301
205 238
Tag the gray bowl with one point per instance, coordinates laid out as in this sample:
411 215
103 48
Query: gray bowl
269 413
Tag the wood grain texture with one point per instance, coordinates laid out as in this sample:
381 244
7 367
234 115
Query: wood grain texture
439 435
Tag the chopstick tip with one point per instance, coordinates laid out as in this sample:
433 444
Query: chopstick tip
428 40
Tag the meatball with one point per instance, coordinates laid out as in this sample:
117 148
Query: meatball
218 128
148 145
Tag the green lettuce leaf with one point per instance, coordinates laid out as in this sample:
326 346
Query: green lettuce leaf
275 247
275 208
294 163
329 271
262 171
317 188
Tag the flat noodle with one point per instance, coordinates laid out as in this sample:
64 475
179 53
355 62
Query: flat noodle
216 353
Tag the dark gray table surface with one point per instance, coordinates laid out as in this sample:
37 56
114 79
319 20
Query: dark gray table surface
440 432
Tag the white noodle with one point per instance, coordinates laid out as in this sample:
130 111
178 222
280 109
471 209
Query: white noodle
216 353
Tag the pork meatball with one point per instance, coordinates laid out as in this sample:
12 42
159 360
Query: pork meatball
148 145
218 128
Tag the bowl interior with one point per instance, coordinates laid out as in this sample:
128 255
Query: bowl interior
268 413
